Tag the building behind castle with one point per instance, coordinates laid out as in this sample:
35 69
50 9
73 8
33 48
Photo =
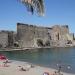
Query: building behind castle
35 36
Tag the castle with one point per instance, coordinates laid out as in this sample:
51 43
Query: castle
36 36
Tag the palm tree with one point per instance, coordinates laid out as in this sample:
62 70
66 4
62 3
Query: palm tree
34 5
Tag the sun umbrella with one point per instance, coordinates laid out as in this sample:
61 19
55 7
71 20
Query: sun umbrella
2 57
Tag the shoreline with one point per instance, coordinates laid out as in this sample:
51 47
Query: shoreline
30 48
37 70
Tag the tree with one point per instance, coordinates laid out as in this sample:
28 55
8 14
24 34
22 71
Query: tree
34 5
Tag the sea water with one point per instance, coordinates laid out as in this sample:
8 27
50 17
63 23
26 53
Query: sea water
48 57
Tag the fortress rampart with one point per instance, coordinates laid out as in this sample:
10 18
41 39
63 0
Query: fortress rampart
34 36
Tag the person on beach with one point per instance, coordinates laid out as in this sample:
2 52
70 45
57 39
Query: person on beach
21 68
5 63
45 73
59 69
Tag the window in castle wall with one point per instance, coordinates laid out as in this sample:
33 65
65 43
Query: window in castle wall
50 37
57 36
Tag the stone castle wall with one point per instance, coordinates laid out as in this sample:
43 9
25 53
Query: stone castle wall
58 35
29 34
3 39
36 36
6 39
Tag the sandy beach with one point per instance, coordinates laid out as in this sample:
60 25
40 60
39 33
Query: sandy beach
14 68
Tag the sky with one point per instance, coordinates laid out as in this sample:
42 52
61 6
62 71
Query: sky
57 12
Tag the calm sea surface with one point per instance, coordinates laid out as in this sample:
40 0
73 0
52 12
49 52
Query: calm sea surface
47 57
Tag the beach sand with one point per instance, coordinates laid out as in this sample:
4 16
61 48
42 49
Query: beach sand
14 69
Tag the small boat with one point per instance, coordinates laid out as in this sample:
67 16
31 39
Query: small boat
2 57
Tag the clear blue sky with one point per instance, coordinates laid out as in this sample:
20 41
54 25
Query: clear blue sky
56 12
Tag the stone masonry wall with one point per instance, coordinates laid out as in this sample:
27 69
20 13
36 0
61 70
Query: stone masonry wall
28 35
36 36
3 39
